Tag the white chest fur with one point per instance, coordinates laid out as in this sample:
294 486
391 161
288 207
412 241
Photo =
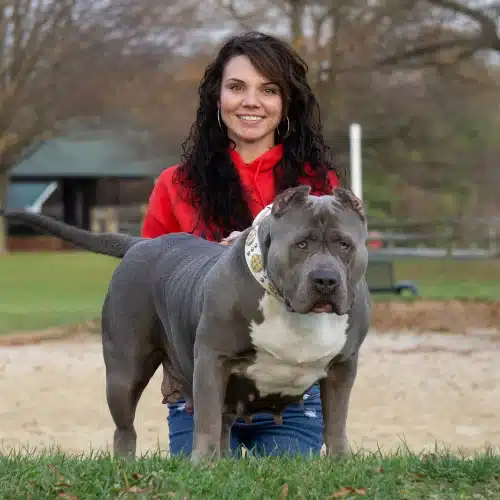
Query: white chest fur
293 350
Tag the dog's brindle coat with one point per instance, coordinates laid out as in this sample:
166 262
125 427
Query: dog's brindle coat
231 348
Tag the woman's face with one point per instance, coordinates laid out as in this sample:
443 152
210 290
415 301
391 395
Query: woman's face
250 105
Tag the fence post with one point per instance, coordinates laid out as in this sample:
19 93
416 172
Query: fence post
493 240
112 222
95 222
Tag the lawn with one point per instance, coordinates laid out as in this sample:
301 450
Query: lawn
51 289
43 290
397 477
451 279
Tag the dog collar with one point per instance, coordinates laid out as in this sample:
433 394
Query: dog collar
254 258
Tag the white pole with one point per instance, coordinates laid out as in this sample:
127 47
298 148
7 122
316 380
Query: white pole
356 167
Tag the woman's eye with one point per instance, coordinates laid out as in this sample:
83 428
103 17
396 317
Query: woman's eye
270 91
302 245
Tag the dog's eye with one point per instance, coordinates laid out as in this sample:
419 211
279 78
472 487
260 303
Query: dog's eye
302 245
345 245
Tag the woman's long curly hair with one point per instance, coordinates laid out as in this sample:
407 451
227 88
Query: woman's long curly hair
207 175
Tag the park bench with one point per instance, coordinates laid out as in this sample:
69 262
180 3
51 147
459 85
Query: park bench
381 278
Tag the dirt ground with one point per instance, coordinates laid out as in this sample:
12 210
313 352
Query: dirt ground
415 385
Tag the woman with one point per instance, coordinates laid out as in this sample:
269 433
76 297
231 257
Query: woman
257 132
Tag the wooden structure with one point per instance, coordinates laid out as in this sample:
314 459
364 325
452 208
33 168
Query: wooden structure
69 176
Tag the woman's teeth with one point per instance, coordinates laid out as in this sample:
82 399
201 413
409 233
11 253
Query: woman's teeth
251 118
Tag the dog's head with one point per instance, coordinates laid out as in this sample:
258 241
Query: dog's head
315 249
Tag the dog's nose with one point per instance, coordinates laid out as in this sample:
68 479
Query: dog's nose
324 280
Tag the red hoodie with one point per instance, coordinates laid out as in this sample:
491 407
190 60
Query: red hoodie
169 213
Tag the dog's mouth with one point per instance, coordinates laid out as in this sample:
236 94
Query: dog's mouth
321 306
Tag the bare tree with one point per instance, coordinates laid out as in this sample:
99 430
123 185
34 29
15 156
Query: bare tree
477 25
339 37
58 59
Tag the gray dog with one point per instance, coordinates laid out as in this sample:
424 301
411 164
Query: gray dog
239 329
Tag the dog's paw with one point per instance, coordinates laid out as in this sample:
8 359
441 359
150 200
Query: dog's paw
196 458
208 454
337 448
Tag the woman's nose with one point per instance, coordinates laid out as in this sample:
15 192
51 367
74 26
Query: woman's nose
250 98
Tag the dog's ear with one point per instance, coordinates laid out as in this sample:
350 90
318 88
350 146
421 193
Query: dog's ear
348 199
288 198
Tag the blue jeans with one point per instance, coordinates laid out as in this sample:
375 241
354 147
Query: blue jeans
300 433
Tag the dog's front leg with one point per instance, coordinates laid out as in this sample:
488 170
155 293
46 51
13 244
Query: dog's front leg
335 393
225 440
209 388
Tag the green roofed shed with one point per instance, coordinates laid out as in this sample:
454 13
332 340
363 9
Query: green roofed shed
74 162
94 157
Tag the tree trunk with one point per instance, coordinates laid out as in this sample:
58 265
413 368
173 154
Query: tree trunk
4 184
296 23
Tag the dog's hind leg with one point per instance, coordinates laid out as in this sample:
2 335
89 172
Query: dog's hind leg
125 383
132 352
133 342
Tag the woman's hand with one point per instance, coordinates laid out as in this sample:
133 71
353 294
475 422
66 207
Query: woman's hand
229 240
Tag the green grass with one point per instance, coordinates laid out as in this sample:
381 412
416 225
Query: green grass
42 290
398 477
452 279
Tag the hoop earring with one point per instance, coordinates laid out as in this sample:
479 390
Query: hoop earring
287 129
218 119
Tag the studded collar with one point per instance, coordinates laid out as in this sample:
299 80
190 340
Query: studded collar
255 259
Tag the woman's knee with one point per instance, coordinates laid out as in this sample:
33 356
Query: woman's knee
180 429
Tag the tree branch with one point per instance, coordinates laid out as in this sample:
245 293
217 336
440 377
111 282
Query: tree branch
487 38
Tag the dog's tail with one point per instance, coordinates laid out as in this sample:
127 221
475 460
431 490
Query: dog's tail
111 244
